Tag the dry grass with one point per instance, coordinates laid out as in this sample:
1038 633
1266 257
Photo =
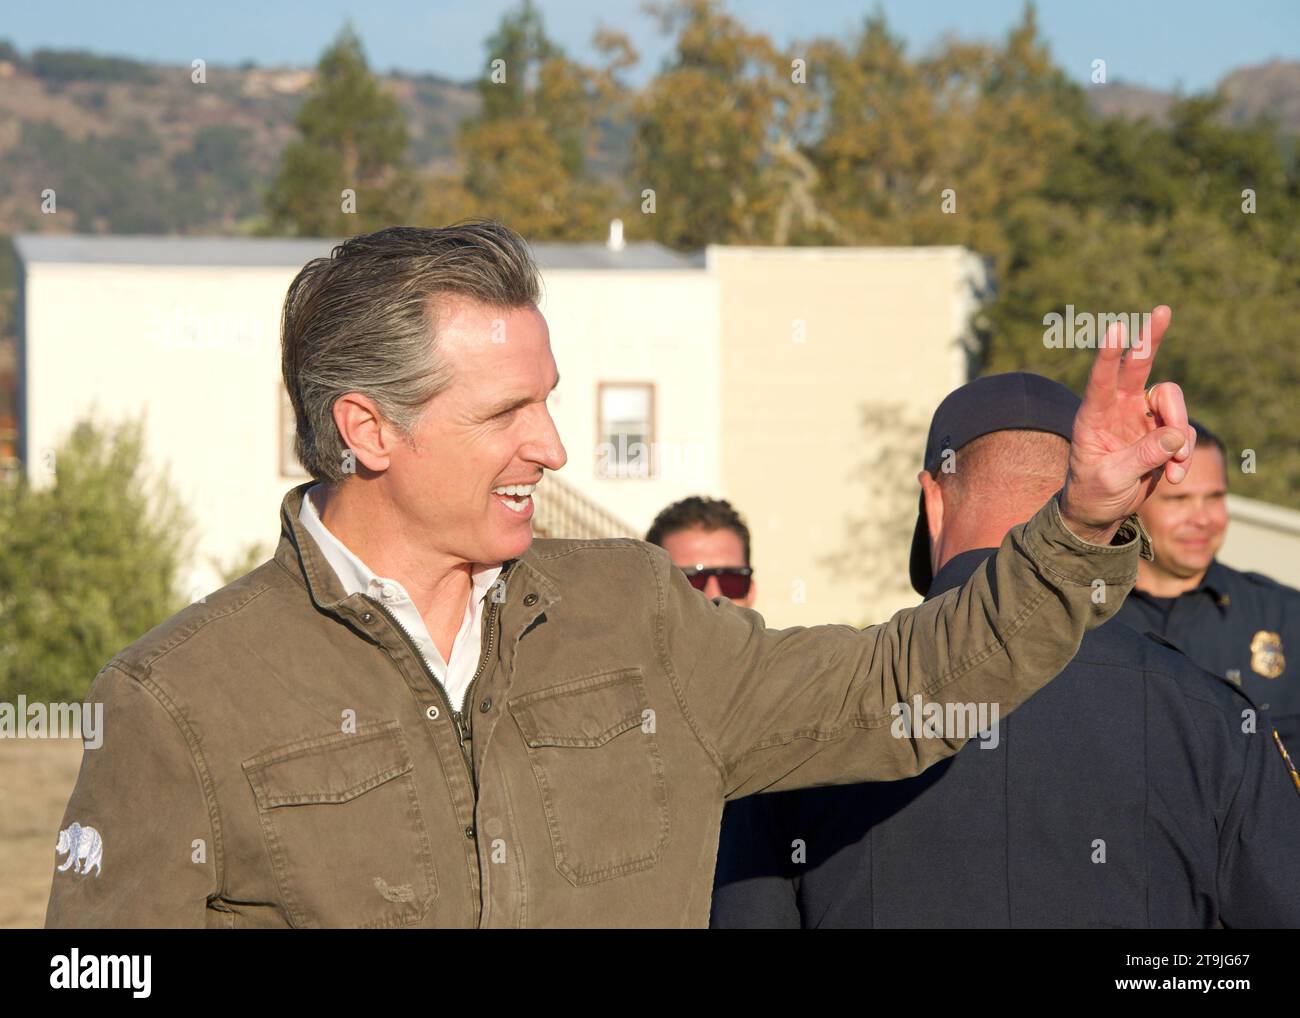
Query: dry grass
36 779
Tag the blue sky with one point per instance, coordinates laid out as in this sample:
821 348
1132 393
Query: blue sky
1161 43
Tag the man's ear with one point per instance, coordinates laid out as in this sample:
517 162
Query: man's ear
364 430
933 495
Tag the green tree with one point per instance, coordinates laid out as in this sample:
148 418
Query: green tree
1139 214
717 135
525 154
88 563
352 135
1070 208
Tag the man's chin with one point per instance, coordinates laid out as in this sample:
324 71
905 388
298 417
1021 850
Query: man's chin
512 545
1190 568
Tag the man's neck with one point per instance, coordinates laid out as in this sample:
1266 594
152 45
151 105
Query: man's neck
438 585
968 532
1158 582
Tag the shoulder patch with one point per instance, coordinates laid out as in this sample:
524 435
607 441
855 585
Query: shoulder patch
84 848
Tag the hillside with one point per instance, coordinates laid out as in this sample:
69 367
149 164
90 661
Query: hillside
140 148
1271 89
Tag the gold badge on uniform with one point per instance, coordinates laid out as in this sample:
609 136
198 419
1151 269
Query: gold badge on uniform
1266 656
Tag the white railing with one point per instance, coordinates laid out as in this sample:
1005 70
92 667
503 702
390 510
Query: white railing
560 510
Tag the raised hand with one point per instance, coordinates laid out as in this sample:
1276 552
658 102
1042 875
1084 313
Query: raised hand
1124 436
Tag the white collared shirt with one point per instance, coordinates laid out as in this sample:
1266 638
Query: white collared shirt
357 578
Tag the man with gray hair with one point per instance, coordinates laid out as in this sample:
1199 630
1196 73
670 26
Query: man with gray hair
416 715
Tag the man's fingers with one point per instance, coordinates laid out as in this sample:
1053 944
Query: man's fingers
1103 380
1166 401
1137 365
1154 452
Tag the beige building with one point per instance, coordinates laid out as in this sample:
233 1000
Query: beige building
782 379
1263 538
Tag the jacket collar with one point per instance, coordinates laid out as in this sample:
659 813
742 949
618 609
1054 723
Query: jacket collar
354 574
301 555
528 591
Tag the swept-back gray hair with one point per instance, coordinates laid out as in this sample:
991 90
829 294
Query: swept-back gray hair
364 320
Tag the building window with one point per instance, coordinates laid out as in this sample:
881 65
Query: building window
289 465
625 429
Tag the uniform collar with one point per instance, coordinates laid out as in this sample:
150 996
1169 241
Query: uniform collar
958 569
1216 584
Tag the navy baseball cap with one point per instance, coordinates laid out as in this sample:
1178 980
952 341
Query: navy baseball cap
1016 401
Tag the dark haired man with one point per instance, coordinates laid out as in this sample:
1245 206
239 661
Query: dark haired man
1241 625
707 539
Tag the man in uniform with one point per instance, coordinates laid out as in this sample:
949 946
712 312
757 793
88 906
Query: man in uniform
1243 626
1134 790
414 715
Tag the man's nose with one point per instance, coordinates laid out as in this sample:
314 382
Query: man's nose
712 588
546 447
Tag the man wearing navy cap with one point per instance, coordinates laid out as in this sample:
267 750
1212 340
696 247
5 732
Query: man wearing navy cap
1134 790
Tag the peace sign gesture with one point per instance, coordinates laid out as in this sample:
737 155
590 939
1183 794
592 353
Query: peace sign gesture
1125 437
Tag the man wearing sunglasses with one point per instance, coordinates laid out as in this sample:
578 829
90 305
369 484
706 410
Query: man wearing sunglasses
709 542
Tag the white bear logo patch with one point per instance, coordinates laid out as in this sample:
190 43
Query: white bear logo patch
83 845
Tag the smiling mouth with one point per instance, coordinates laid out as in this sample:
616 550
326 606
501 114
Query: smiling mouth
515 497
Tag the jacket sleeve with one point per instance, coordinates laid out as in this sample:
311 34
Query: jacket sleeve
1259 881
142 851
807 706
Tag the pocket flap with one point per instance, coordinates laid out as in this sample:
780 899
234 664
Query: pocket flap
585 712
330 768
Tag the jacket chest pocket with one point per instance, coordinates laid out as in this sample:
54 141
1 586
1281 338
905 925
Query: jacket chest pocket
596 758
344 829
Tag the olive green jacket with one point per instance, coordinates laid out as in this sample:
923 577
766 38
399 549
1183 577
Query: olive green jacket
279 755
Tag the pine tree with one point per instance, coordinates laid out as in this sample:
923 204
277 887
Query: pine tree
524 154
346 173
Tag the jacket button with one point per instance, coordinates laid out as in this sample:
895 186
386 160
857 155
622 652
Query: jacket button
469 833
530 599
368 617
486 705
431 712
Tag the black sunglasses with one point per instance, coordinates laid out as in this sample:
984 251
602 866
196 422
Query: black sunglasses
733 581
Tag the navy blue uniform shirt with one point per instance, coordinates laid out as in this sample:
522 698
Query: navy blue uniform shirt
1124 793
1242 626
